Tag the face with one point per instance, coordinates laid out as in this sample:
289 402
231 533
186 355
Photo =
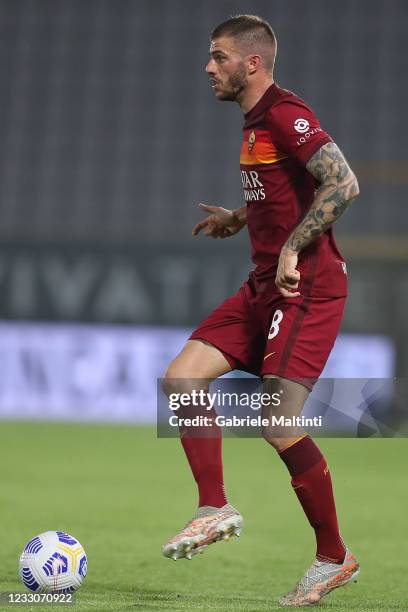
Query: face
227 69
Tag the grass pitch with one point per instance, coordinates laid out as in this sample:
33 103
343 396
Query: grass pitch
122 493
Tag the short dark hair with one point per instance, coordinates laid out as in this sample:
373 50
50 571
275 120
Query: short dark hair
250 30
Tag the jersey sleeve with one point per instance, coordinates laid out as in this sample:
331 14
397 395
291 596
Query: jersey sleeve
296 130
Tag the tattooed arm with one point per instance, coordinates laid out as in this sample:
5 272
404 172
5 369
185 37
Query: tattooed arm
338 188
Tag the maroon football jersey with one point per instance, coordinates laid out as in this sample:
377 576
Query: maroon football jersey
281 133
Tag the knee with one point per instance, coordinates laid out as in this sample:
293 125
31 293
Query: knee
177 380
281 442
170 382
272 439
272 434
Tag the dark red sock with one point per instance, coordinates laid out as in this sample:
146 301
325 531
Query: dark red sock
205 459
313 486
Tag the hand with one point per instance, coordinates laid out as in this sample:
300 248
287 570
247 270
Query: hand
287 277
221 223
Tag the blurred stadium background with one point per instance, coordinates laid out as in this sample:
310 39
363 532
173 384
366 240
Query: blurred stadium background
110 136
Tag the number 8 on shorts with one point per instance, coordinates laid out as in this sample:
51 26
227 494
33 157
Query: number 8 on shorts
274 329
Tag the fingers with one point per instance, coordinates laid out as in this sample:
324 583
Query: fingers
205 222
211 231
288 283
214 231
214 225
225 233
197 228
292 276
208 207
288 294
217 232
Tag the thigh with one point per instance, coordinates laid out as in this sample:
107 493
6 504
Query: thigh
196 366
198 359
300 338
193 370
235 330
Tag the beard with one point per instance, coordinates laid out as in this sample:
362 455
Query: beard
236 84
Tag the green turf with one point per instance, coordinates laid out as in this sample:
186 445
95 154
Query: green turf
122 492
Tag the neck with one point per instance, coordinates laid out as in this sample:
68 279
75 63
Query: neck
253 93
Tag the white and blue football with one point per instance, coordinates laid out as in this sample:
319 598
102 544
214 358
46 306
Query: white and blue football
53 562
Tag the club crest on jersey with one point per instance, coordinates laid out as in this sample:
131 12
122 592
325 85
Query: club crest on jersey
251 141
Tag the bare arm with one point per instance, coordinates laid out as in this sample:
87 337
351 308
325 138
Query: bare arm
338 188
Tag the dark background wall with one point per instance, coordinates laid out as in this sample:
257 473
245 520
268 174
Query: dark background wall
111 133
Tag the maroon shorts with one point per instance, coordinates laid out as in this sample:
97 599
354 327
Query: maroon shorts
265 333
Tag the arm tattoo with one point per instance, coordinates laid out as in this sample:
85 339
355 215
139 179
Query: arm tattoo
338 188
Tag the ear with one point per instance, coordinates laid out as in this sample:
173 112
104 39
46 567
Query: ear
254 63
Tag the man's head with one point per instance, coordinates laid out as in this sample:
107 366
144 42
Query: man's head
242 49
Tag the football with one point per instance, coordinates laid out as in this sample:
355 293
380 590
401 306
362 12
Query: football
53 562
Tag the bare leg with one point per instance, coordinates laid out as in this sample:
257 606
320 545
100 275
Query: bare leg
292 399
198 359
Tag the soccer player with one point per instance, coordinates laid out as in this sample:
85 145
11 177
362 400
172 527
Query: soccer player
282 323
